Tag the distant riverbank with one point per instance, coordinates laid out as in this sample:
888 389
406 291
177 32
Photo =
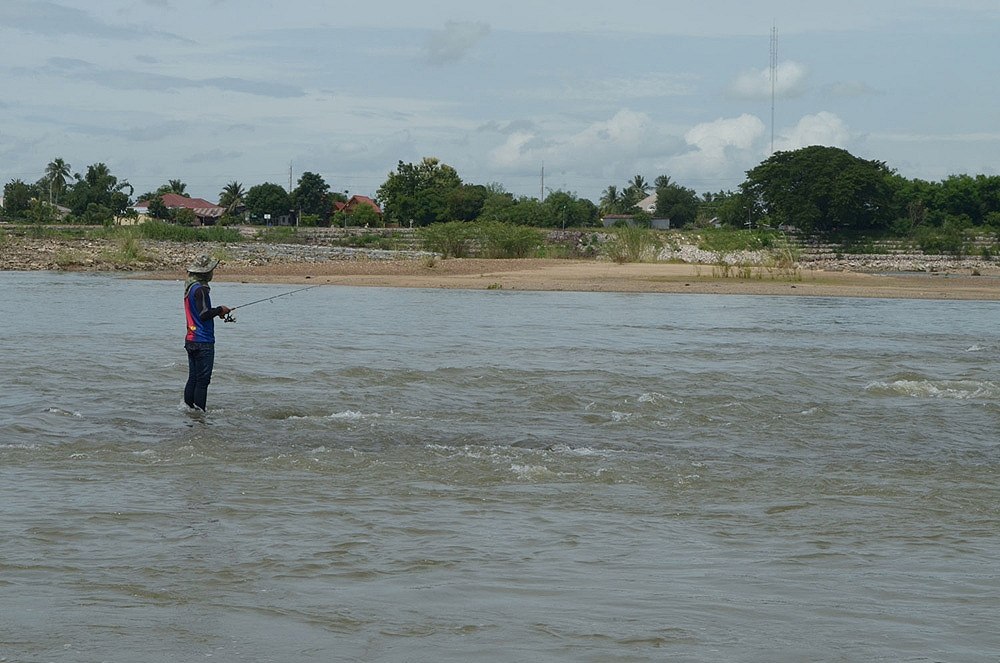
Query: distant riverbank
928 277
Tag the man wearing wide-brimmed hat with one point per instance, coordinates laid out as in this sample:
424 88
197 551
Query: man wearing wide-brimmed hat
200 339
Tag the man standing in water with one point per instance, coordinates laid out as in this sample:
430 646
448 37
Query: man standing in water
200 339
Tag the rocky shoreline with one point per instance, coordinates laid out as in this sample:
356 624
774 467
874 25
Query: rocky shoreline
27 254
18 253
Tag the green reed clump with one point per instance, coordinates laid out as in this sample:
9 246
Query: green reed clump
279 235
128 252
632 244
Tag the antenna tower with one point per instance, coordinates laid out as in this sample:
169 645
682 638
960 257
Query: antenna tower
774 76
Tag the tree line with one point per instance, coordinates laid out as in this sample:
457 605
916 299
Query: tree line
815 190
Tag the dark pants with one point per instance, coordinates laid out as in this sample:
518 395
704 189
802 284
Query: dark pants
201 359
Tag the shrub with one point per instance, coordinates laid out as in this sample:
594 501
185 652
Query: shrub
504 240
450 239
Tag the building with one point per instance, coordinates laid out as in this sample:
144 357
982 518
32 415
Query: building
207 213
352 204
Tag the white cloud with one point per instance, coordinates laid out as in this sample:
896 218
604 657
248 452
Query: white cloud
720 151
789 81
455 41
627 138
823 128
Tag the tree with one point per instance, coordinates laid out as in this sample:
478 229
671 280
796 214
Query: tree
418 193
174 186
366 216
56 174
640 185
496 204
958 195
675 202
157 209
565 210
822 189
267 199
17 197
99 193
611 200
312 196
231 197
465 202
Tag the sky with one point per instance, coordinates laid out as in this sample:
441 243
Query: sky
571 95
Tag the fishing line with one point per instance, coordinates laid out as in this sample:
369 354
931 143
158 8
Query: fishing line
229 316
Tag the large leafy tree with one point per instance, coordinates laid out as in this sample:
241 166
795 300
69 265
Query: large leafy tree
465 202
17 197
99 196
565 210
418 193
312 196
959 195
822 189
675 202
267 199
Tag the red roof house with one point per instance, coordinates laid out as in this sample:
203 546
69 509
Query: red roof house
206 212
352 204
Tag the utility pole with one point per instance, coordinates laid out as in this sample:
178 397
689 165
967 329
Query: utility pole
541 198
774 76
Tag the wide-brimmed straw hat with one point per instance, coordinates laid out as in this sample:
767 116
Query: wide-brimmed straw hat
203 265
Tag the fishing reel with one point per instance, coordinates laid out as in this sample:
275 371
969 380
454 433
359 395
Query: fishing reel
229 317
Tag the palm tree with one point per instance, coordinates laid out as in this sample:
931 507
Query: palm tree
639 183
174 186
56 172
232 196
611 200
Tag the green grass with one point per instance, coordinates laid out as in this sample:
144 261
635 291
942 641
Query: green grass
163 231
723 240
633 244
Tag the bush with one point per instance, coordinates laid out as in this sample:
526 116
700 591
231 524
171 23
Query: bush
946 240
450 239
504 240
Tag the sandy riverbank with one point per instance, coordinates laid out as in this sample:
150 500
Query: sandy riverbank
306 264
594 276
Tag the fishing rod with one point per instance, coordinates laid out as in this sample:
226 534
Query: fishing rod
229 316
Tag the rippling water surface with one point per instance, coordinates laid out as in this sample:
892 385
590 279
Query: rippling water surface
418 475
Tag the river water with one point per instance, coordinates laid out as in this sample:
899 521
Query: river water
423 475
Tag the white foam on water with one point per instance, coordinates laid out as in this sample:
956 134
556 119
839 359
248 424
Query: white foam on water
656 397
353 415
953 389
530 472
62 413
619 417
